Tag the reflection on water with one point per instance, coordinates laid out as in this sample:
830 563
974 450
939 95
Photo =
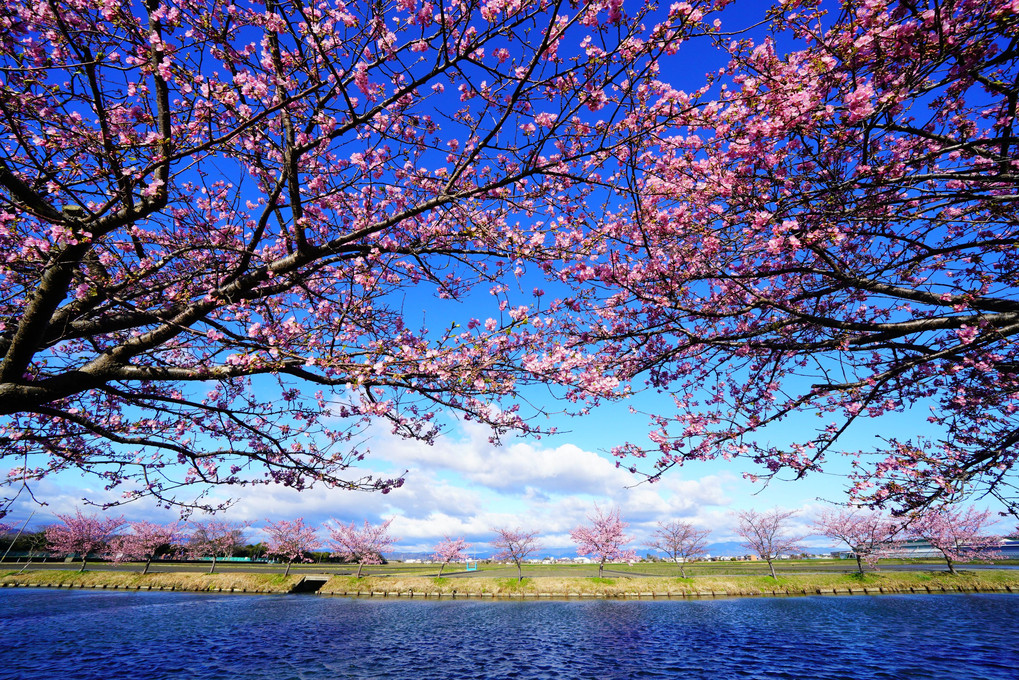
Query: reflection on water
102 635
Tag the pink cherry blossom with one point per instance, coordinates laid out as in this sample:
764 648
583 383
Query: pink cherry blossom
869 535
364 546
681 541
291 540
604 538
214 539
766 534
239 199
958 533
824 242
144 541
450 550
82 535
515 545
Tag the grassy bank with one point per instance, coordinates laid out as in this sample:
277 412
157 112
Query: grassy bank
561 587
250 583
791 584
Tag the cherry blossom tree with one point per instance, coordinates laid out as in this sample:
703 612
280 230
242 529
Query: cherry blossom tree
767 534
290 540
515 545
450 550
215 538
604 538
213 215
144 541
82 535
681 541
869 535
364 546
958 534
832 233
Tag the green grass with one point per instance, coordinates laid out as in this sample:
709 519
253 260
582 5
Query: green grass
514 584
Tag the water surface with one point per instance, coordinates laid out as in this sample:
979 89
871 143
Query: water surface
103 635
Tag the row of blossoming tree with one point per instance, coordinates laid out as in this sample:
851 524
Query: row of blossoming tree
87 535
957 533
213 217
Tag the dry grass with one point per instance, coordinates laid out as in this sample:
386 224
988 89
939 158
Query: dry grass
658 586
552 586
263 583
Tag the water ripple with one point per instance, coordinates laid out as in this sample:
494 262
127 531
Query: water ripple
101 635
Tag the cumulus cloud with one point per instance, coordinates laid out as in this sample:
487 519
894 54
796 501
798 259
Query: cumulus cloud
465 485
523 467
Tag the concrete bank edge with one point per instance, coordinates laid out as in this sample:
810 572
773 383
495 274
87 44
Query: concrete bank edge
438 595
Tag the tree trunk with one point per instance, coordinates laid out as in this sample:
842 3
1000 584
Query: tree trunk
859 563
520 573
359 567
287 572
951 567
682 570
213 567
601 568
441 567
771 565
146 569
83 560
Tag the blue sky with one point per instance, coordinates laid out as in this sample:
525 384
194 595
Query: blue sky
465 486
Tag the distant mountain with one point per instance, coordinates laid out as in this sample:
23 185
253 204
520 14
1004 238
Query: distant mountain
720 549
723 549
727 549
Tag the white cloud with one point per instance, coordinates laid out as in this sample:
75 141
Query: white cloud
465 486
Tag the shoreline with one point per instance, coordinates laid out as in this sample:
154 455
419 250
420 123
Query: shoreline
572 589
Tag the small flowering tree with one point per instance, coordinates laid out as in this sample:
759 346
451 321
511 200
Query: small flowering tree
766 534
145 539
958 534
681 541
290 540
515 545
604 538
869 535
82 535
215 538
364 546
450 550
